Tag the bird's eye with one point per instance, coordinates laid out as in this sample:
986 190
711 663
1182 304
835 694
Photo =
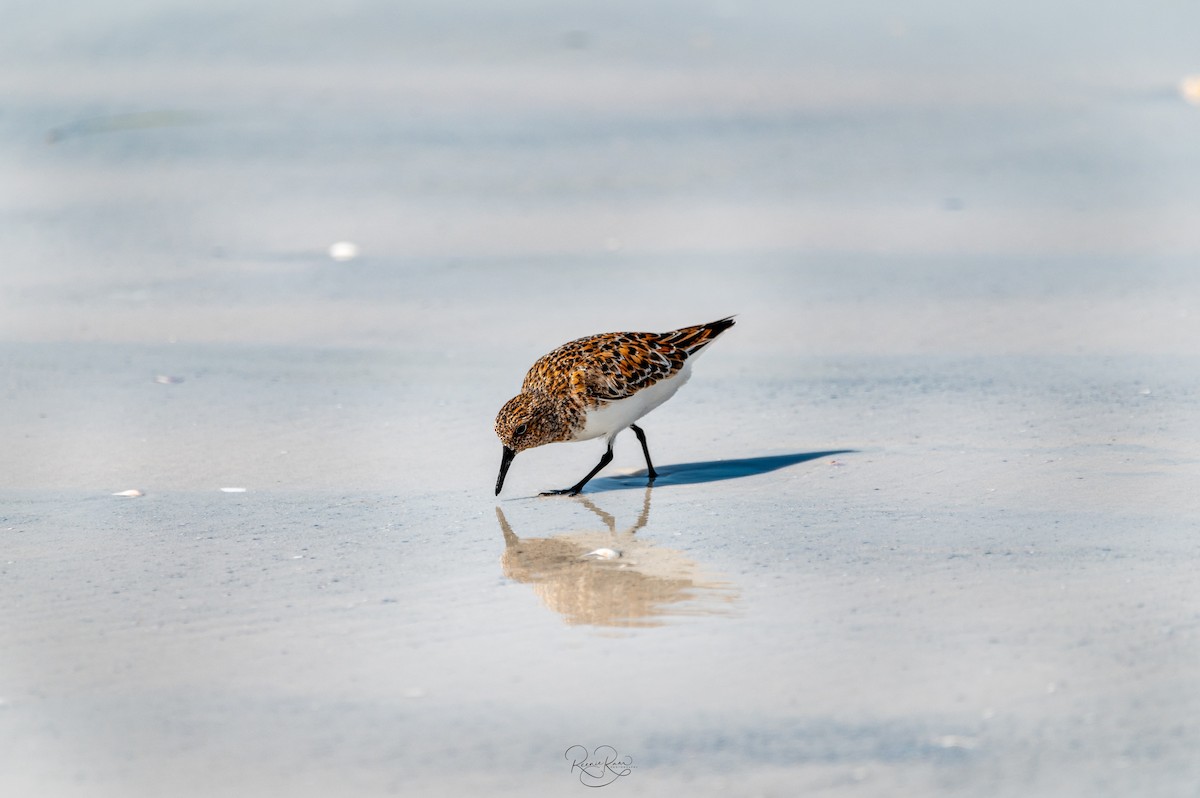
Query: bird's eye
520 430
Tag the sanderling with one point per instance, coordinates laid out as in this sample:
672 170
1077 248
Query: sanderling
596 387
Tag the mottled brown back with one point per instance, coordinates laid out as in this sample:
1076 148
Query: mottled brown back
614 366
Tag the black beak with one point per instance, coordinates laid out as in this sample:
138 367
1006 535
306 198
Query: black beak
505 462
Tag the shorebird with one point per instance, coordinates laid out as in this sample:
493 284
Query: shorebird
596 387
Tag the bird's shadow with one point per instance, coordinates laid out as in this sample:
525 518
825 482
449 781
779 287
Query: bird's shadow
708 471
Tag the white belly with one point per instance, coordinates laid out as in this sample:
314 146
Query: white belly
612 417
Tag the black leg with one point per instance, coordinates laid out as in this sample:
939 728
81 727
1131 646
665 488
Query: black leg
578 486
650 472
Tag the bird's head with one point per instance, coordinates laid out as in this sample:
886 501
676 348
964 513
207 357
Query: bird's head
527 420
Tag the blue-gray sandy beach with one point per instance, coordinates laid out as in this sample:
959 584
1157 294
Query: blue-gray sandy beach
928 515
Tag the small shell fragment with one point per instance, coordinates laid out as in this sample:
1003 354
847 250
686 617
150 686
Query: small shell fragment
130 494
602 554
1189 89
233 490
956 741
343 251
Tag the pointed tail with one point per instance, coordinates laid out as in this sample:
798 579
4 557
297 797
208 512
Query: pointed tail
693 339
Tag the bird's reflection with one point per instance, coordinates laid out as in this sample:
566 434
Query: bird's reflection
612 578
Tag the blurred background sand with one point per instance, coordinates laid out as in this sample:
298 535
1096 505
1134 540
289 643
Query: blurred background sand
927 522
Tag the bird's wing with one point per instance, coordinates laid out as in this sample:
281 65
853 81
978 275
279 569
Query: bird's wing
617 367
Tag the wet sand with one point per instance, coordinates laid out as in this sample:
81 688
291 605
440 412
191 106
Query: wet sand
926 520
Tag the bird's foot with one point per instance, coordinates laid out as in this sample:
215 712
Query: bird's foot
561 492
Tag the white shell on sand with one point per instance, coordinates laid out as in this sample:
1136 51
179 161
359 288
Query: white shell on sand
1189 89
602 554
343 251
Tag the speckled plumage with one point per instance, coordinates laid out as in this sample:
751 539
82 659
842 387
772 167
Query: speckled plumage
597 386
